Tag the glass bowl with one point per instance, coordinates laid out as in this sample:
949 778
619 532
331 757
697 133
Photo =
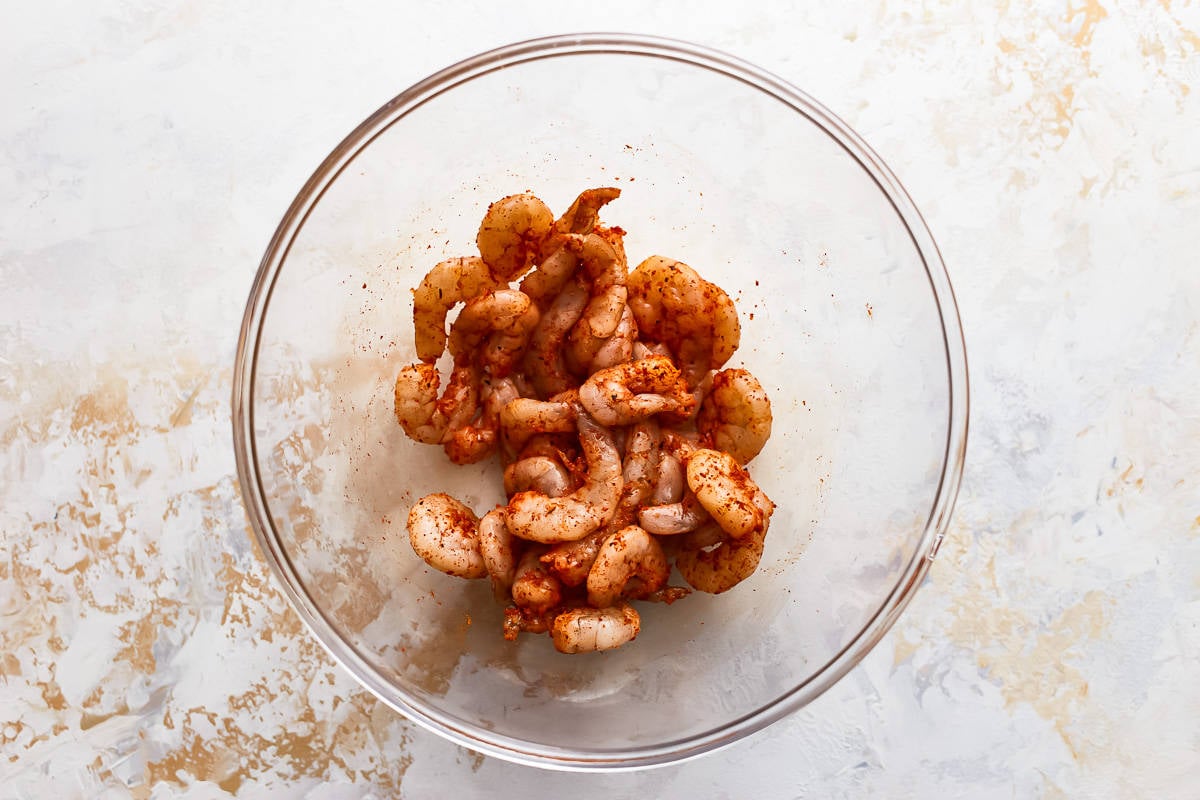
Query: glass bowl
848 320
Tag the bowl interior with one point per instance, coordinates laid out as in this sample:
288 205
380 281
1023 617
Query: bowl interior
840 324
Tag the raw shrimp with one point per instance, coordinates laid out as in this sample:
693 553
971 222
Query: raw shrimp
571 561
646 349
584 213
630 563
618 348
606 269
586 630
533 586
534 516
543 361
501 322
694 318
524 417
512 233
735 415
423 415
670 482
447 284
558 264
719 568
537 473
523 620
496 548
546 282
476 439
673 518
445 534
640 464
626 393
728 493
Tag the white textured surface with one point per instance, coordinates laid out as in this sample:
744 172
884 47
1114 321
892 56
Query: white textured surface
145 157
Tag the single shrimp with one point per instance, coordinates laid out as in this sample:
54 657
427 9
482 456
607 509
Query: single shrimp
551 277
630 563
445 534
423 415
562 447
544 362
618 348
718 568
626 393
640 465
673 305
673 518
540 474
523 620
670 481
474 440
524 417
584 212
500 322
572 561
728 493
447 284
587 630
735 415
533 586
498 550
538 518
511 234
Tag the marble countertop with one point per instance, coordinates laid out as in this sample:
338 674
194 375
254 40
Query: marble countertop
147 152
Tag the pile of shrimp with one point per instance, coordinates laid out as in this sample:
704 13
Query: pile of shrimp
624 441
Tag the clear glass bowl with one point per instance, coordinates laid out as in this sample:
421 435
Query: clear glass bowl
848 320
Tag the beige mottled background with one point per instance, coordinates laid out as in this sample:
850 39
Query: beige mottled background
148 150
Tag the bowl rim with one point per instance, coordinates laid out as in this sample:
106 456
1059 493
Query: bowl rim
426 714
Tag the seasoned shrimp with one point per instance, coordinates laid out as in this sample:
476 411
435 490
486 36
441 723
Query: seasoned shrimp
605 267
544 363
626 393
523 620
735 415
447 284
728 493
537 473
719 568
476 439
552 276
617 349
670 481
673 518
630 563
538 518
533 586
497 549
501 322
445 534
584 213
587 630
640 465
511 235
524 417
423 415
571 561
673 305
